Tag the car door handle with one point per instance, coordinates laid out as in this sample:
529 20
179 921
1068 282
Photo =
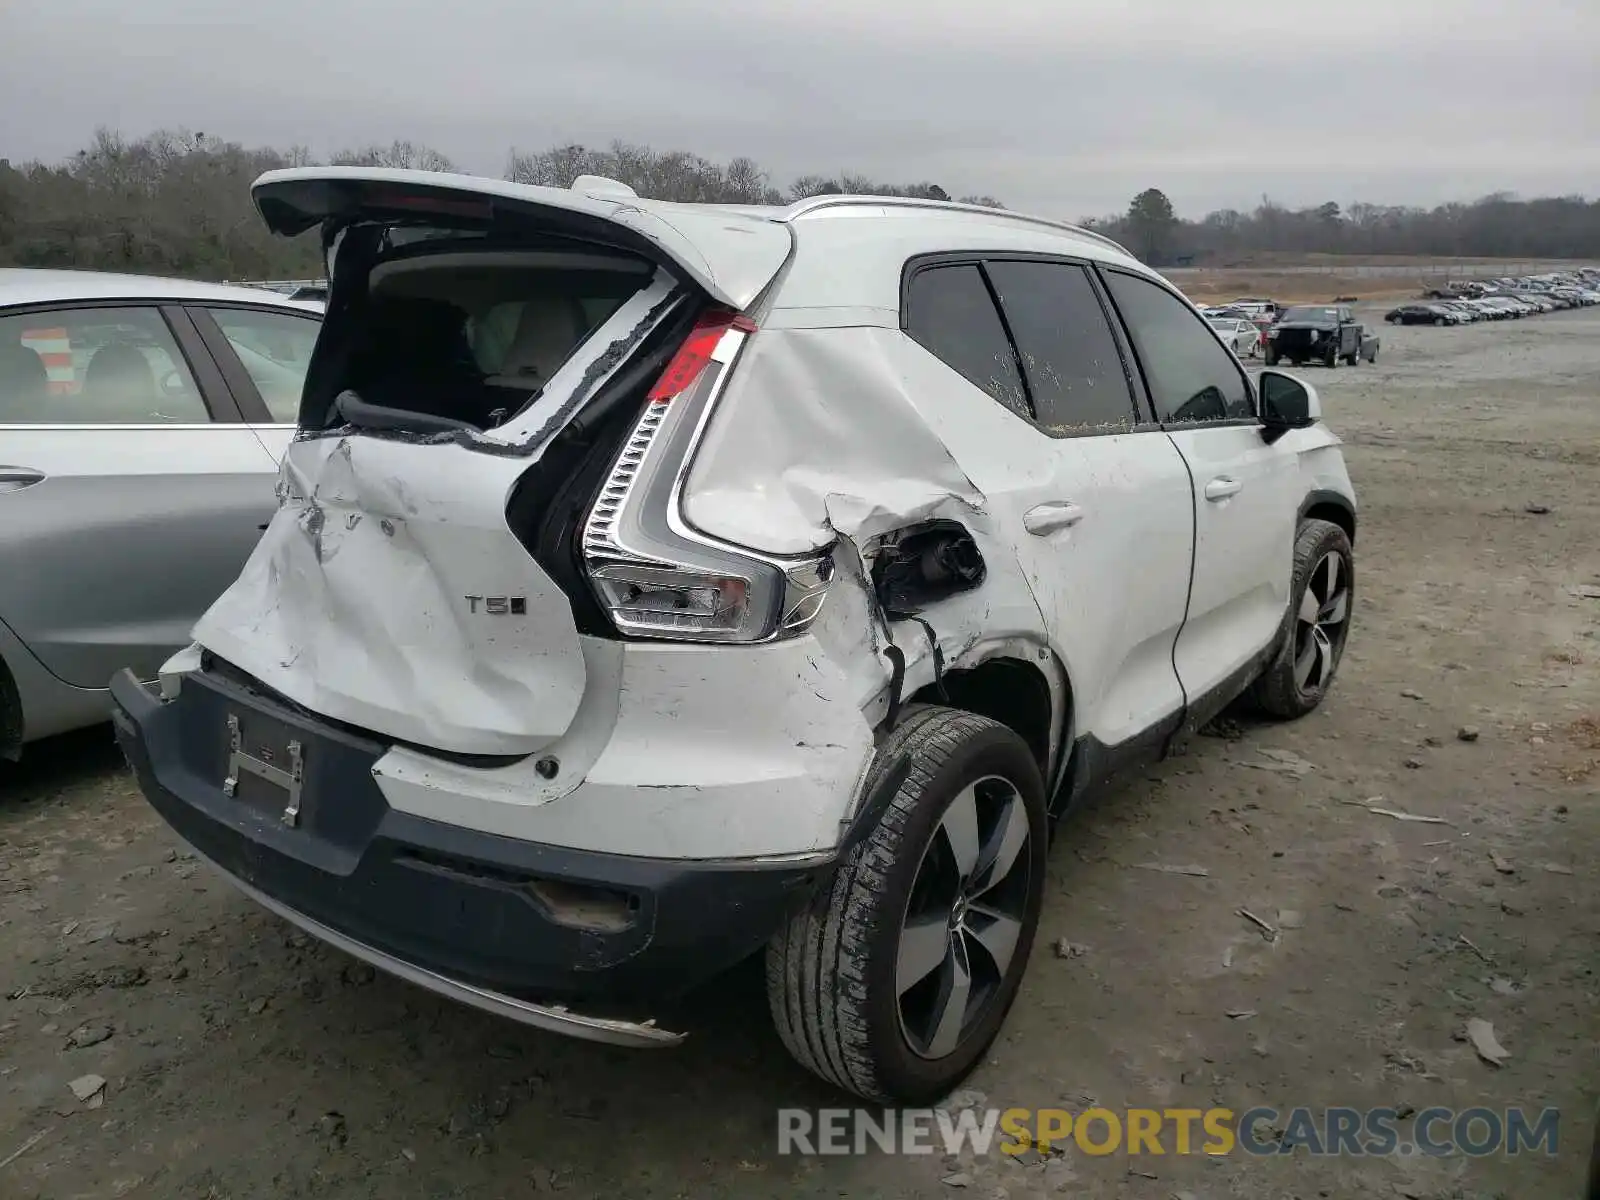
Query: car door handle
1045 519
14 479
1222 487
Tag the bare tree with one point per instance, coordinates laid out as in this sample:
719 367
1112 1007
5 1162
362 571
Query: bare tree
404 155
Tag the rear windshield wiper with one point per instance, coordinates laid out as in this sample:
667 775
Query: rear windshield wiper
356 411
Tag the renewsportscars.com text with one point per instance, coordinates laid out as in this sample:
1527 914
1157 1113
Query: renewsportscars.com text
1317 1132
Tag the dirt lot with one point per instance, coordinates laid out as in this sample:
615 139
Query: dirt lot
242 1061
1218 287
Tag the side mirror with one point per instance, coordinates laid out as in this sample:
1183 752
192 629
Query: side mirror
1286 403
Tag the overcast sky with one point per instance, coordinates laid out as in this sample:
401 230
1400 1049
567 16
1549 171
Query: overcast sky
1066 107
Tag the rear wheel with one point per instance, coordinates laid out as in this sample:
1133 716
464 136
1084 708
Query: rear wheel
1438 320
1316 627
892 983
1270 357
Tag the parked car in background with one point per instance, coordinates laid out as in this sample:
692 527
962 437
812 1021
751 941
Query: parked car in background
1243 337
1256 306
141 424
1325 333
1418 314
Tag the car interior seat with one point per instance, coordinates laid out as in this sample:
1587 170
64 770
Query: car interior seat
118 380
548 330
24 385
413 355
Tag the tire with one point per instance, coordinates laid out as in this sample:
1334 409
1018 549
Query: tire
833 972
1438 320
1331 359
1353 359
1269 357
1396 320
1291 686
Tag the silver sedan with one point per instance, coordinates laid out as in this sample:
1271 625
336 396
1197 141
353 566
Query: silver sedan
1240 336
141 424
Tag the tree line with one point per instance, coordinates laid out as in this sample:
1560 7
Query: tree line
1496 226
177 203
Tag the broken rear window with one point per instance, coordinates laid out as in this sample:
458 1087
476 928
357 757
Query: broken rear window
474 334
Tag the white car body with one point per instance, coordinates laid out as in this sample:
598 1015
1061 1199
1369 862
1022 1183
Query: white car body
1242 337
721 692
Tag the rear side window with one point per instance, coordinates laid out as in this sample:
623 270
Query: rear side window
950 313
1191 376
1074 369
275 349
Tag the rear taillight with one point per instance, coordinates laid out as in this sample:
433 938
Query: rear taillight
696 352
655 574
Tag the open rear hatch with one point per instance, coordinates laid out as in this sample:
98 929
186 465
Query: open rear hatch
487 348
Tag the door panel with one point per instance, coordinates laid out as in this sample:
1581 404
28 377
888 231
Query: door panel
1109 565
128 538
1244 493
1245 505
1113 584
1097 510
125 504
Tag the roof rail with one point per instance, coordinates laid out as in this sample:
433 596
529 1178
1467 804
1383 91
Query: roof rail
810 205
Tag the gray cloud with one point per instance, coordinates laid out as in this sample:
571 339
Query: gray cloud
1065 108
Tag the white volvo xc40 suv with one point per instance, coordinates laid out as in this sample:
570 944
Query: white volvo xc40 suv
655 585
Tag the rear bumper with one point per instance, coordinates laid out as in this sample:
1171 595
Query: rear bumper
514 927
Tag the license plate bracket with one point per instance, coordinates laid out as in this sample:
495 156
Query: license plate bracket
286 777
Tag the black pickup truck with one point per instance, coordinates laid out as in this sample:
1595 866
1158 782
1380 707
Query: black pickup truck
1325 333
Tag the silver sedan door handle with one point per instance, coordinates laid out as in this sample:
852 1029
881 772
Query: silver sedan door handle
14 479
1222 487
1045 519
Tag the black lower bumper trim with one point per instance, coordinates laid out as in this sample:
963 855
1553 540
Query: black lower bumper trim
527 920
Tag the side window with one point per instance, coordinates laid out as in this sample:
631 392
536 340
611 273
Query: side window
94 366
1074 370
275 349
1191 376
950 313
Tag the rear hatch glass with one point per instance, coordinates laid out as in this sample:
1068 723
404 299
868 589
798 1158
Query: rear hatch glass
449 334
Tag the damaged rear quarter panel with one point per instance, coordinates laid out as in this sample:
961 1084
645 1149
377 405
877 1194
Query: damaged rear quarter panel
826 436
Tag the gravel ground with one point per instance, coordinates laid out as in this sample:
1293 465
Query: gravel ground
241 1060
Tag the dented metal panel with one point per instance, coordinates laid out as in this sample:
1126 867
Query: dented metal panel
823 438
388 592
817 436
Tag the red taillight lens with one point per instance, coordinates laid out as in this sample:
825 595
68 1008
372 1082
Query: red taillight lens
696 352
